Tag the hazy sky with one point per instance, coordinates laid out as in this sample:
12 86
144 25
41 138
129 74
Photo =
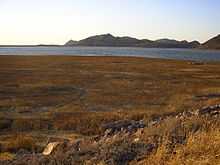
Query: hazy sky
56 21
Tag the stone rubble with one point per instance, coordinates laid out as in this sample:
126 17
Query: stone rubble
121 140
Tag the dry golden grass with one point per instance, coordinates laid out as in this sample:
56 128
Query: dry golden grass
99 83
201 148
6 156
20 141
79 94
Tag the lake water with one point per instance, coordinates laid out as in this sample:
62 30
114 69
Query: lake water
182 54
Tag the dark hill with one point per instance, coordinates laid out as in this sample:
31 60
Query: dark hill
110 40
168 43
71 43
213 43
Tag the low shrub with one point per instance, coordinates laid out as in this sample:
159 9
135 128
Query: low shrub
20 142
5 124
6 156
86 123
30 124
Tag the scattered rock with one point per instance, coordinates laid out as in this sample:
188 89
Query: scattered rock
122 142
154 122
185 114
123 126
50 148
210 110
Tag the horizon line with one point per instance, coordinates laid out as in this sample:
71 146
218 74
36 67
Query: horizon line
53 44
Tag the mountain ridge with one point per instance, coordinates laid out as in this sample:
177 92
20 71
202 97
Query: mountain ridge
126 41
213 43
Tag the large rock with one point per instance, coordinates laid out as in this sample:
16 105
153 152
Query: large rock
50 148
124 125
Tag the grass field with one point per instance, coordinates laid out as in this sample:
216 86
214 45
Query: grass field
63 97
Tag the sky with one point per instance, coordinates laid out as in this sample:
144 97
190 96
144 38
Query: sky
57 21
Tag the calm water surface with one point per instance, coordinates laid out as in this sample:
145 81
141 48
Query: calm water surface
182 54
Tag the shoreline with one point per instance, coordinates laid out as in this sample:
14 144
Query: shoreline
174 54
81 46
112 57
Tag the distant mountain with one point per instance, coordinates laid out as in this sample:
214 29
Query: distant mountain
168 43
71 43
195 44
213 43
110 40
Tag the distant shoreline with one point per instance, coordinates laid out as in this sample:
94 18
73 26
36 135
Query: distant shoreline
64 46
31 46
108 40
160 53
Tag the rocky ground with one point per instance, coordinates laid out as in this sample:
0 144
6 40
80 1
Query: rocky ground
125 142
